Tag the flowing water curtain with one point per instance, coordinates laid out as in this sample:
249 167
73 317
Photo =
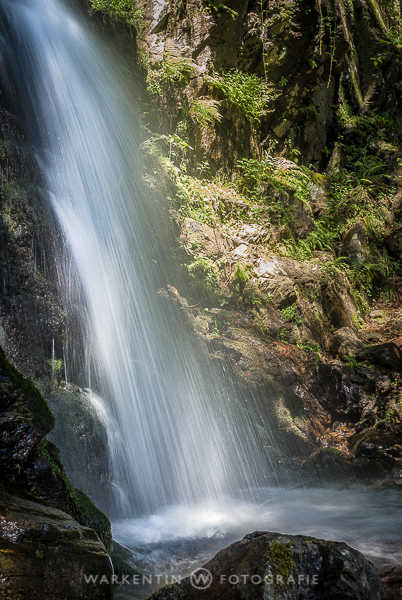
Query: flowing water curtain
180 431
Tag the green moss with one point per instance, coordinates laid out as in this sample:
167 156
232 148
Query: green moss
205 272
280 561
91 516
378 16
79 505
40 413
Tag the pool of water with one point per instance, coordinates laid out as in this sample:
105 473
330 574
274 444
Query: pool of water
173 542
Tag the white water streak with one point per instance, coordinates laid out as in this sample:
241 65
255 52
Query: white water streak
182 434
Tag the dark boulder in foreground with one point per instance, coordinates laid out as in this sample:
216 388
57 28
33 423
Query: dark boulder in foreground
45 554
272 566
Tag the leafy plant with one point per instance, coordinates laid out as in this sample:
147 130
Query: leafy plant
215 329
172 70
242 274
204 271
57 368
279 173
218 6
312 350
350 361
320 238
173 145
254 301
308 347
205 112
119 10
283 334
250 94
357 321
289 313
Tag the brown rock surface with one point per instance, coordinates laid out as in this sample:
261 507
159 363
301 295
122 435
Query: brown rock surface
45 554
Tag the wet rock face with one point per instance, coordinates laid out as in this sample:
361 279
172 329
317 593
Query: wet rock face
25 418
387 356
45 554
28 462
31 319
272 566
316 408
81 438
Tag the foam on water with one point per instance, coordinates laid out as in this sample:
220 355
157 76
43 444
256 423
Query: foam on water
182 537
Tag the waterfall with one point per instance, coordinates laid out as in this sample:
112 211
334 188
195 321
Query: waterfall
180 430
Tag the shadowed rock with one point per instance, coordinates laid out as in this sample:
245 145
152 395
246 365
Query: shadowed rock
281 567
45 554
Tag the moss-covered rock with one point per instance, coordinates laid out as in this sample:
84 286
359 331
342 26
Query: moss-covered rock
25 418
121 558
86 513
45 554
30 463
48 481
80 435
272 566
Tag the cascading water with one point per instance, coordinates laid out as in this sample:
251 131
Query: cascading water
177 433
183 437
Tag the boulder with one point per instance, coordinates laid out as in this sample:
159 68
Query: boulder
272 566
200 236
45 554
386 356
29 462
345 342
355 244
273 281
281 291
80 435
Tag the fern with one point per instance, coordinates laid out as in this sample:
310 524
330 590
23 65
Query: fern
172 70
248 93
205 112
321 238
